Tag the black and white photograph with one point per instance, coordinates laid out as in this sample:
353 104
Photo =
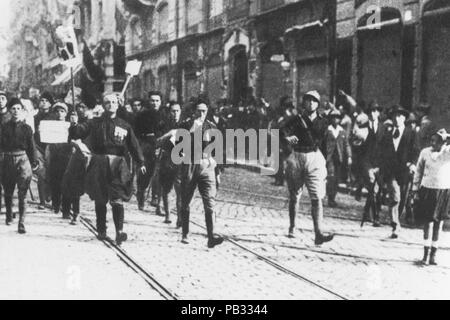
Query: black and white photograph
224 154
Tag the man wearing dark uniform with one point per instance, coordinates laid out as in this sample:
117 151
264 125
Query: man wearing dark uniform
169 173
20 157
108 177
148 126
45 104
58 159
201 175
306 165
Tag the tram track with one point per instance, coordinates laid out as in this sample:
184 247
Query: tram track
276 265
165 293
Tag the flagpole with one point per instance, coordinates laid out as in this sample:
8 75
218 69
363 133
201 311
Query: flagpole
73 89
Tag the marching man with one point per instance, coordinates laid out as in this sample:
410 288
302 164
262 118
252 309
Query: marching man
108 178
200 175
20 160
306 165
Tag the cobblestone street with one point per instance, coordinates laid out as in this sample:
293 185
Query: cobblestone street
258 261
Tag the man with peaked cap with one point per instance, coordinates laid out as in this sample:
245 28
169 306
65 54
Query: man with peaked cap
45 104
58 160
306 165
20 160
396 158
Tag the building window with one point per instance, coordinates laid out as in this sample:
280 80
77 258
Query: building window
136 35
191 14
215 8
238 9
216 16
163 23
148 29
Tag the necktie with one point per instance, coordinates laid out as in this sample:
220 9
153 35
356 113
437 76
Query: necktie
396 133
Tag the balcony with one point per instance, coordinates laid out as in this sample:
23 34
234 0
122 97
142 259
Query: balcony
239 10
216 22
266 5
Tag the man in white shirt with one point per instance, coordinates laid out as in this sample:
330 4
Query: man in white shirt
396 157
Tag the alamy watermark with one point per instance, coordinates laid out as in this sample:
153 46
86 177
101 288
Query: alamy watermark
235 146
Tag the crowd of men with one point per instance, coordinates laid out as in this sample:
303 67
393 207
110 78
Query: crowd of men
374 147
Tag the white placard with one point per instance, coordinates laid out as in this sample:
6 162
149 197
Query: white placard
53 132
133 68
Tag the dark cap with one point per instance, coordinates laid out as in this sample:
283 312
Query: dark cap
48 96
12 102
399 110
374 106
335 114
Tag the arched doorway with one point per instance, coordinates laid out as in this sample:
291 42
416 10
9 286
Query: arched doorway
239 74
436 59
380 58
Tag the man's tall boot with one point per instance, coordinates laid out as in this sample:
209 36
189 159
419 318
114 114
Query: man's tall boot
9 214
426 252
433 256
100 211
22 212
118 217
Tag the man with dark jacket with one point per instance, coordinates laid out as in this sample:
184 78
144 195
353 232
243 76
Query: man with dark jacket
199 172
45 105
148 129
306 165
397 156
108 178
58 159
169 173
19 161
